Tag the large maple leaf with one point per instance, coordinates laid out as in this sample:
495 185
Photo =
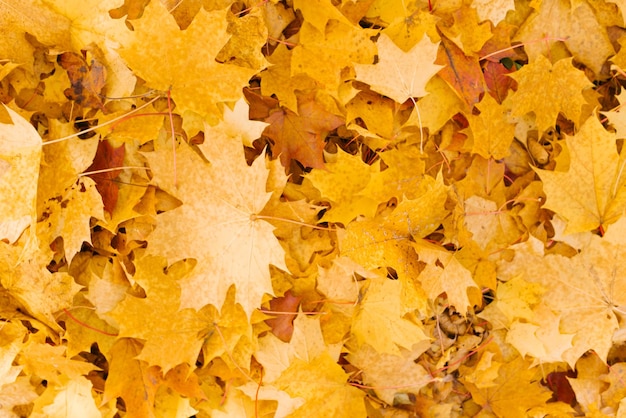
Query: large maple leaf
166 57
592 193
216 223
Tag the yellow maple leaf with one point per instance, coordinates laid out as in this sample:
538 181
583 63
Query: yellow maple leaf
323 385
492 131
379 319
277 79
338 46
73 399
172 335
389 374
24 273
72 24
617 390
592 193
561 82
229 334
133 380
586 291
514 392
217 224
343 184
515 299
307 341
403 177
50 363
400 75
578 27
319 12
20 154
407 29
198 82
544 342
588 387
438 106
70 218
493 10
445 274
466 32
491 228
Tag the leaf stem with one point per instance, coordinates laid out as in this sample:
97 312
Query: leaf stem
254 217
544 39
79 322
106 170
65 138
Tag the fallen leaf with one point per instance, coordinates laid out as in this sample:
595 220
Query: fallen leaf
20 152
561 82
461 72
196 85
492 130
595 172
107 158
505 396
131 379
411 70
380 323
87 80
286 308
334 396
301 136
578 27
157 317
222 211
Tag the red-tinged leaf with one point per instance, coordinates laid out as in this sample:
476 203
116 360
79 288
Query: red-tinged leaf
498 83
559 385
87 80
461 72
499 45
282 325
301 136
260 106
107 157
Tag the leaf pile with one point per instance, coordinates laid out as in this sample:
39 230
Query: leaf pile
295 208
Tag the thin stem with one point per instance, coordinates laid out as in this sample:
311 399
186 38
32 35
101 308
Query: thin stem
106 170
65 138
219 332
79 322
169 109
521 45
273 218
266 311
